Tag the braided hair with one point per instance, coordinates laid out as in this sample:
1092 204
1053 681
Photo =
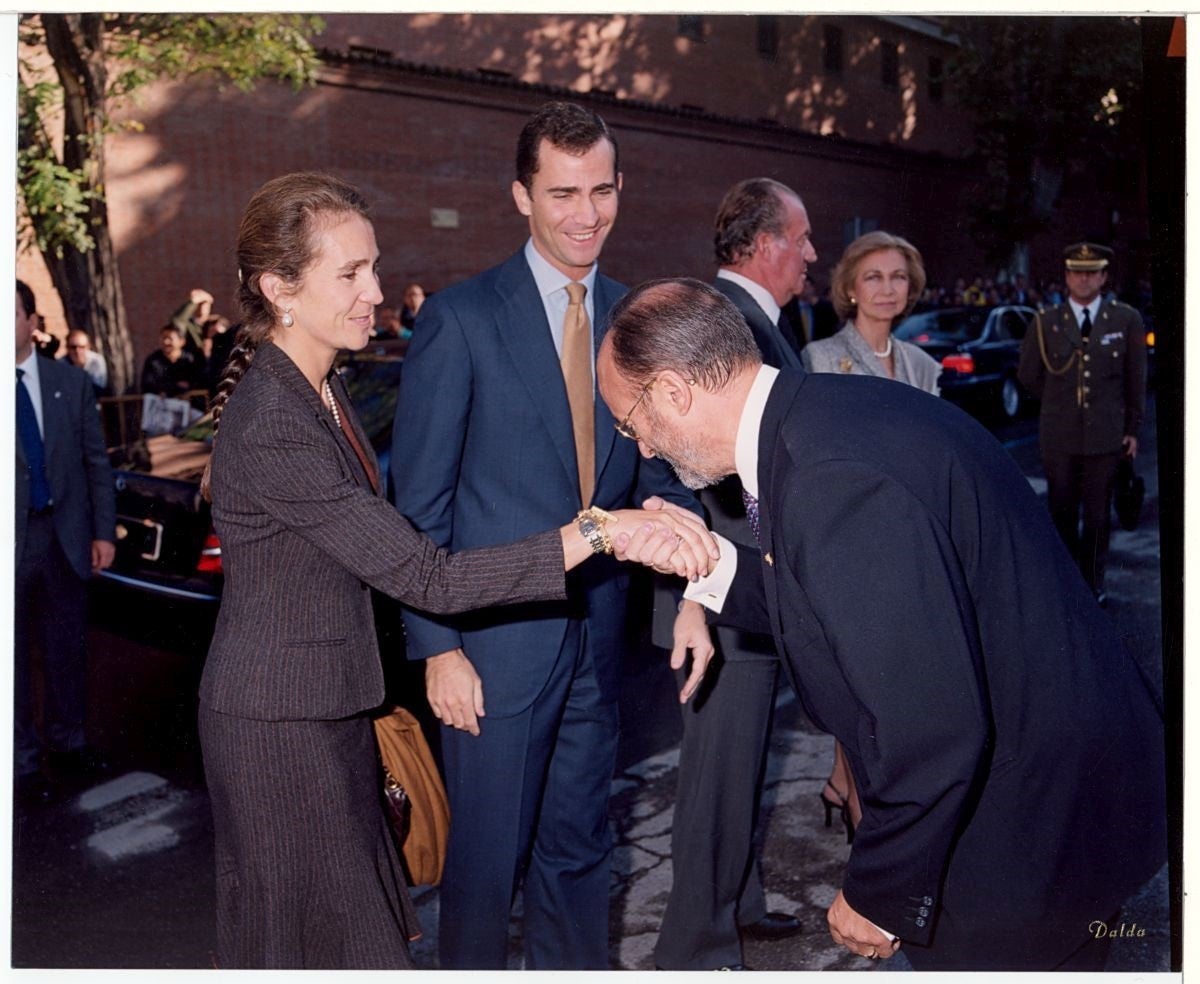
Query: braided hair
275 236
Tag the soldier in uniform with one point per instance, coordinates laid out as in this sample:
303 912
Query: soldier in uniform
1086 361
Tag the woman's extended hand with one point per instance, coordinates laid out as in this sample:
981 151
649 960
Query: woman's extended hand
667 538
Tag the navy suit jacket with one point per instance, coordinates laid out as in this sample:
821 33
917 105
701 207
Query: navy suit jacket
81 481
1008 751
483 453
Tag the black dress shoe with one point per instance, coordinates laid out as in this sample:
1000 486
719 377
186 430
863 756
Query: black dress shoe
772 926
86 761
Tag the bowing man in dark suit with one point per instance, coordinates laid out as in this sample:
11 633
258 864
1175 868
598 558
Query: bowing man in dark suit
1009 752
498 431
65 532
762 242
307 874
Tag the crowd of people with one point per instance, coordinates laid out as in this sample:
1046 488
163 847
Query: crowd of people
995 743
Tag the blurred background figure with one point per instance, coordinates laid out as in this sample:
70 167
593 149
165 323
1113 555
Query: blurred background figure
414 297
172 371
81 354
190 317
387 322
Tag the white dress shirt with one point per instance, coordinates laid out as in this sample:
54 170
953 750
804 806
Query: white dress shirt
1077 309
761 295
552 286
711 591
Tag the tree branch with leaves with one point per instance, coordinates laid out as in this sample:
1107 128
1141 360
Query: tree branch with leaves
74 72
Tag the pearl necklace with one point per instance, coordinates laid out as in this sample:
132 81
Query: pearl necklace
887 349
333 407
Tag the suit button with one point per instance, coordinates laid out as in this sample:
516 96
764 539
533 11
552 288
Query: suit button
927 900
922 911
920 922
1087 406
1086 357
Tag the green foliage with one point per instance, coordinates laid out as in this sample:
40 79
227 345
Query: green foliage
1050 95
137 49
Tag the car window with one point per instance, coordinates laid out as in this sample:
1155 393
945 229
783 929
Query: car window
953 325
373 382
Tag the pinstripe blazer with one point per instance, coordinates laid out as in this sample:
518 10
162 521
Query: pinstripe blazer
303 537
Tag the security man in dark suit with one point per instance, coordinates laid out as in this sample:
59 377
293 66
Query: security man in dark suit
65 532
761 239
1086 361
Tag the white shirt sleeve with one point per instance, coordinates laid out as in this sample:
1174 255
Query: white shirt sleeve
712 590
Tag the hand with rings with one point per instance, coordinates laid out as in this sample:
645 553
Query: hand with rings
858 934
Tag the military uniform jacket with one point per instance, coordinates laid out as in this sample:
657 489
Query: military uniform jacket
1093 391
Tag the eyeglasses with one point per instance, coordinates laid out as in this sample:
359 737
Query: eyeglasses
625 428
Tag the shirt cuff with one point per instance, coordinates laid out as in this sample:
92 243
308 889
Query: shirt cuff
891 937
711 590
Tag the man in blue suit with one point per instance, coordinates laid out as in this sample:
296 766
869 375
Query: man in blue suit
498 434
65 532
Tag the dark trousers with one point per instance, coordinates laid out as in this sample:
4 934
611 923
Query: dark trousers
716 885
1083 480
50 615
529 802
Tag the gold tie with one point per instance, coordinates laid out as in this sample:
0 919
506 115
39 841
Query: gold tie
577 373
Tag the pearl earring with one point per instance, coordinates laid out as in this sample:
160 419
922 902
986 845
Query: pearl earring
286 319
853 299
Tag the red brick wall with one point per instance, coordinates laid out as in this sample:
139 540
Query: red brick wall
414 142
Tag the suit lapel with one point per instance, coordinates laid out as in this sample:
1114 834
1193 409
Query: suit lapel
776 350
771 447
524 331
275 361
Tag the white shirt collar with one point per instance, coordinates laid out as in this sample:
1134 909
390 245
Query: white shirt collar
548 277
745 451
1093 308
756 290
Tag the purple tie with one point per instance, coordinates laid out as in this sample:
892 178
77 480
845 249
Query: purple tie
752 514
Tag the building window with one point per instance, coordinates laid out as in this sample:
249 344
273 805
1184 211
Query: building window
768 36
936 78
891 64
691 26
833 49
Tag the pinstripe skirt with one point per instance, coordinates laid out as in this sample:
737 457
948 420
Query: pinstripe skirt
307 873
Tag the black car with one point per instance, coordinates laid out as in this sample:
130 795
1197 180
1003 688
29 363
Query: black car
166 546
978 349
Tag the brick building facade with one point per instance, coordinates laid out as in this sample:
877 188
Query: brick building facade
421 111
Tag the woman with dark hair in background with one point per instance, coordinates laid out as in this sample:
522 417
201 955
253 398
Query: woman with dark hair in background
307 874
875 285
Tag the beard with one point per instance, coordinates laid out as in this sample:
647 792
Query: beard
685 455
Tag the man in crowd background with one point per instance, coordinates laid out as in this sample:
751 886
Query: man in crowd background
65 532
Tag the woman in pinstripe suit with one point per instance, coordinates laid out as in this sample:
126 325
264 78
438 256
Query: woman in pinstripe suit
307 875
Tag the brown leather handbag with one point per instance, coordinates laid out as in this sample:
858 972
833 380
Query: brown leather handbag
416 799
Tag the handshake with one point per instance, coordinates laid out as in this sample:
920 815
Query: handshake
664 537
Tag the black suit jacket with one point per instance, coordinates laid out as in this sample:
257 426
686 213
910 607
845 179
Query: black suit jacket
776 349
1008 752
303 537
81 481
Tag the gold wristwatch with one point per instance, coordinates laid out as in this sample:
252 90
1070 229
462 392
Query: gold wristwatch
592 522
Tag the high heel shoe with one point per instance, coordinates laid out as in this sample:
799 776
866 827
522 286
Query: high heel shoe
841 805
